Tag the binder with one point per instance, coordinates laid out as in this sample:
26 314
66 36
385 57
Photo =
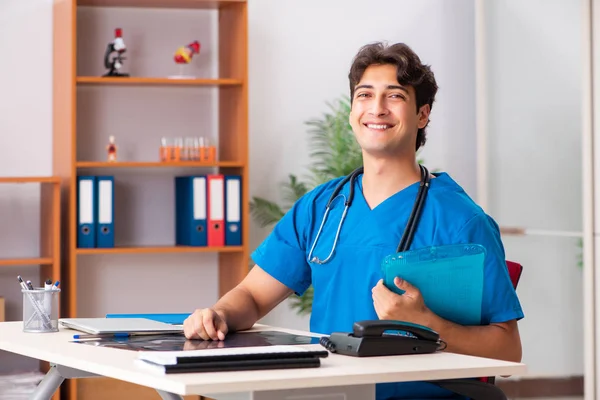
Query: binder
105 232
190 211
232 359
216 210
233 210
449 277
86 199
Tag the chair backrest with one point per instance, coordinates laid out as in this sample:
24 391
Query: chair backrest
514 271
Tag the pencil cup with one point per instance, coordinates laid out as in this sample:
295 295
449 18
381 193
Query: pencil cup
40 310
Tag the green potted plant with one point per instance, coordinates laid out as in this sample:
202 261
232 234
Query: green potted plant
333 152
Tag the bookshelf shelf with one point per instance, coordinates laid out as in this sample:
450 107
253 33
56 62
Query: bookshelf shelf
158 164
199 4
160 249
140 81
25 261
30 179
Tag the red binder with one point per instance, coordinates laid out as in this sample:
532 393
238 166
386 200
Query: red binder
216 210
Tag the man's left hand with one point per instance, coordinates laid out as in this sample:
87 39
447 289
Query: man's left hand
408 307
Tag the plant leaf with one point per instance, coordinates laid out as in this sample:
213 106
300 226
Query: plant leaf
334 150
293 191
265 212
303 304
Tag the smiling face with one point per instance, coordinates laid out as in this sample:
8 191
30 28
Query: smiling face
384 113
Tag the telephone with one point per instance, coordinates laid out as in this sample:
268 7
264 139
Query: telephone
383 338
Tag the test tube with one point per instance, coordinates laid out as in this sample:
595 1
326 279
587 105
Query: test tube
178 149
201 149
165 150
196 150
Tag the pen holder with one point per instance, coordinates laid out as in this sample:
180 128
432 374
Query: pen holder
40 310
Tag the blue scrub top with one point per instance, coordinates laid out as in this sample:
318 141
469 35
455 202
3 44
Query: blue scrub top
342 286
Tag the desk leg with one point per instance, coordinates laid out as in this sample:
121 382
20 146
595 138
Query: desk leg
49 385
54 378
168 395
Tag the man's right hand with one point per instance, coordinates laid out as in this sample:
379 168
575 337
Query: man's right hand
205 324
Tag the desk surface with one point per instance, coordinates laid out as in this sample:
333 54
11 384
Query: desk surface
335 370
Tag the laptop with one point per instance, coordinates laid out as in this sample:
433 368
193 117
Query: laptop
118 325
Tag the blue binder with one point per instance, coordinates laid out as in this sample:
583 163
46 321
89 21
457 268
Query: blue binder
190 211
105 216
449 277
86 211
233 210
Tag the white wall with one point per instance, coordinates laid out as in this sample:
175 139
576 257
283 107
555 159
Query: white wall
296 66
26 142
534 83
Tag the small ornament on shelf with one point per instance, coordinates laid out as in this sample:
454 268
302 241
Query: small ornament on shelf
183 57
112 149
192 149
117 45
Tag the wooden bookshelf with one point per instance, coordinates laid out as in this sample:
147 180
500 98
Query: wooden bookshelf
84 116
49 259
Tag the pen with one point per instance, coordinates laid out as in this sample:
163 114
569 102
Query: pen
48 284
38 309
29 285
101 336
23 285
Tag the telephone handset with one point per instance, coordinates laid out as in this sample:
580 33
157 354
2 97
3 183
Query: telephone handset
384 338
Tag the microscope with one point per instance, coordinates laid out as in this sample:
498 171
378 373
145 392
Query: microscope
117 45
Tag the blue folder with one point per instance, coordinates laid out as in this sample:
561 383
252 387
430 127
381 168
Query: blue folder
233 210
86 212
105 211
449 277
175 319
191 211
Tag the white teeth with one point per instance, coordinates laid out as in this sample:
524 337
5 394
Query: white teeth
374 126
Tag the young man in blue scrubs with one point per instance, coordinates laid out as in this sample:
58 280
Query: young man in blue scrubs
392 95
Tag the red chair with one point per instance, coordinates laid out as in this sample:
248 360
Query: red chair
482 388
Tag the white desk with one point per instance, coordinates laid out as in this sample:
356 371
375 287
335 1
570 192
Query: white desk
338 376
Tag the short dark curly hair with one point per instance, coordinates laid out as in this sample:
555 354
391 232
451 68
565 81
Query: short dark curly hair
411 72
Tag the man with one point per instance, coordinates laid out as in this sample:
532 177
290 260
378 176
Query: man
392 94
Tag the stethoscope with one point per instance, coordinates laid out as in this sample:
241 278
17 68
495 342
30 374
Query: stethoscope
409 230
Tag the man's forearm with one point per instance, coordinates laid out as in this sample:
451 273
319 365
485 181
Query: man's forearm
238 309
491 341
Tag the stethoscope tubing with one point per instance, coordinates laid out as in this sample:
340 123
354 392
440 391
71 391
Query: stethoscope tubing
409 230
